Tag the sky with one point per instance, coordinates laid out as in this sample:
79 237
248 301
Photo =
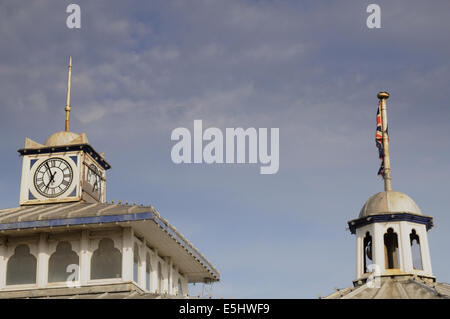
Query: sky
310 68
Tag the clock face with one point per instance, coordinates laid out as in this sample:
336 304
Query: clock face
53 177
94 177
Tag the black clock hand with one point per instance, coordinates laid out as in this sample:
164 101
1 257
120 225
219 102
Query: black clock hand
52 176
49 173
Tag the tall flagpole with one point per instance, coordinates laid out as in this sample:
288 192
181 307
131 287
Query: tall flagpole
68 95
383 96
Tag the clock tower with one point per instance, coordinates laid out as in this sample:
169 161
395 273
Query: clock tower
66 168
66 241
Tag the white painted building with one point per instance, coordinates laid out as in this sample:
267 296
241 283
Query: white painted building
66 241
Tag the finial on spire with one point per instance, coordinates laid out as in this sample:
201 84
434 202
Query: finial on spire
68 95
383 96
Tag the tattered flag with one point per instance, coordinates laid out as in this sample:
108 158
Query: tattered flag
379 141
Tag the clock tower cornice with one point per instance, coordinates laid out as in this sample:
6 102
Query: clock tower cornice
87 148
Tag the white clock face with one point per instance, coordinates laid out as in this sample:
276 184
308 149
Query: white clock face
53 177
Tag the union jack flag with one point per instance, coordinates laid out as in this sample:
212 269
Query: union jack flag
379 141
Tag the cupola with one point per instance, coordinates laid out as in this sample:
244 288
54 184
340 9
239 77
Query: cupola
391 230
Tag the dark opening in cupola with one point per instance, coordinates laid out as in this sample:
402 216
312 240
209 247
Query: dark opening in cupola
391 249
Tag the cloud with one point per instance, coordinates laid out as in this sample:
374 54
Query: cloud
311 68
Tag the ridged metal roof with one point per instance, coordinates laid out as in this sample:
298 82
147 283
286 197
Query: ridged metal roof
112 291
67 210
83 214
396 288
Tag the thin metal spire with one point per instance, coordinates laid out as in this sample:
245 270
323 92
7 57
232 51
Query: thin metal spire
68 95
383 96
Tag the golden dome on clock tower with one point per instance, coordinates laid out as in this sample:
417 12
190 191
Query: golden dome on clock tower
66 138
61 138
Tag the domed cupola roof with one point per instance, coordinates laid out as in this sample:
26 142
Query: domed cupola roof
389 202
61 138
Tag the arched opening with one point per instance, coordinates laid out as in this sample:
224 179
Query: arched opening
60 260
367 251
415 250
391 249
148 271
106 261
21 267
136 263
